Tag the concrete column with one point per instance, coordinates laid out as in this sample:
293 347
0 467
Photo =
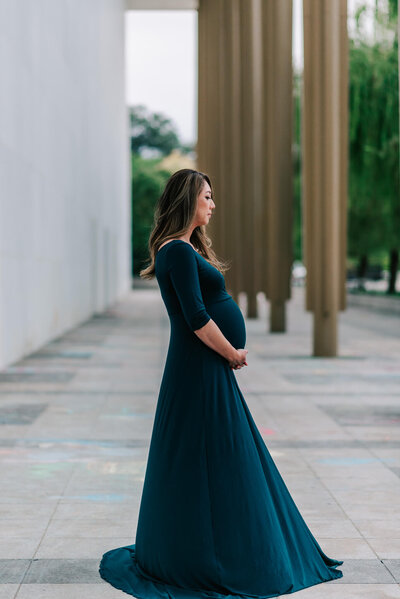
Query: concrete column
251 148
231 112
324 140
277 211
210 146
230 134
219 150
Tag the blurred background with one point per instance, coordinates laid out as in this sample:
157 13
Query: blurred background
292 111
165 134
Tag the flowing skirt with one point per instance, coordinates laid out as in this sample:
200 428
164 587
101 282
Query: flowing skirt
216 518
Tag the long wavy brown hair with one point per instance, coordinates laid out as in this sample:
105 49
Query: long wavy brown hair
174 212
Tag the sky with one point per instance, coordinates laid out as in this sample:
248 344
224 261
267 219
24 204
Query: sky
161 65
161 62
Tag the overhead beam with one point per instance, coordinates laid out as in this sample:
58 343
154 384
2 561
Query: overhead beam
161 4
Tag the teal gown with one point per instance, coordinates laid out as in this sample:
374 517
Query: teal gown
216 518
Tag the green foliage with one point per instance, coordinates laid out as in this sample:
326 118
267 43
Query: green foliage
374 194
155 132
152 131
374 208
148 182
393 10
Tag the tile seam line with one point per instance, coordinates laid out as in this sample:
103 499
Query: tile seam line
341 508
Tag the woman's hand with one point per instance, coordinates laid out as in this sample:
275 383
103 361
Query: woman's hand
239 360
211 335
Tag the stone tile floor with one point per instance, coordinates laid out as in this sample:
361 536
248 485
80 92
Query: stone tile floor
76 419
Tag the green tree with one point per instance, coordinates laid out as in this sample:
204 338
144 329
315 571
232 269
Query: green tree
393 10
374 210
152 130
149 131
148 181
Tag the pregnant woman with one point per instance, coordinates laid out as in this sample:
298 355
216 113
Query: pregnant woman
216 518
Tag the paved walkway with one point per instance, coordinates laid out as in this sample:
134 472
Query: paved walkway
76 419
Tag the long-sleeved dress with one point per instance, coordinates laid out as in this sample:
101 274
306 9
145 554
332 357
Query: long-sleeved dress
216 518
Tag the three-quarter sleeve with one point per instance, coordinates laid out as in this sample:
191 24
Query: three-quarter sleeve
184 274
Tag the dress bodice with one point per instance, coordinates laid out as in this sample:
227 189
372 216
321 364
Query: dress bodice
188 282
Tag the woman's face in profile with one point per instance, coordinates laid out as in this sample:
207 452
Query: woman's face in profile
205 206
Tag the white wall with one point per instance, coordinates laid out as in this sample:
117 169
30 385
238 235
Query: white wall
64 168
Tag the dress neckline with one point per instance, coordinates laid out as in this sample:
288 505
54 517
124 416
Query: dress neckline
171 241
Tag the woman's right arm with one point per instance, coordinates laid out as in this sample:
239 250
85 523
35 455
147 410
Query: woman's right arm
212 336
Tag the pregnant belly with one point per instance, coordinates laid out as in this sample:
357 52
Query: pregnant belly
229 318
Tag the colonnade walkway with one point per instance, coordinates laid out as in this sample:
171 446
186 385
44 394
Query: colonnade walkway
76 419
